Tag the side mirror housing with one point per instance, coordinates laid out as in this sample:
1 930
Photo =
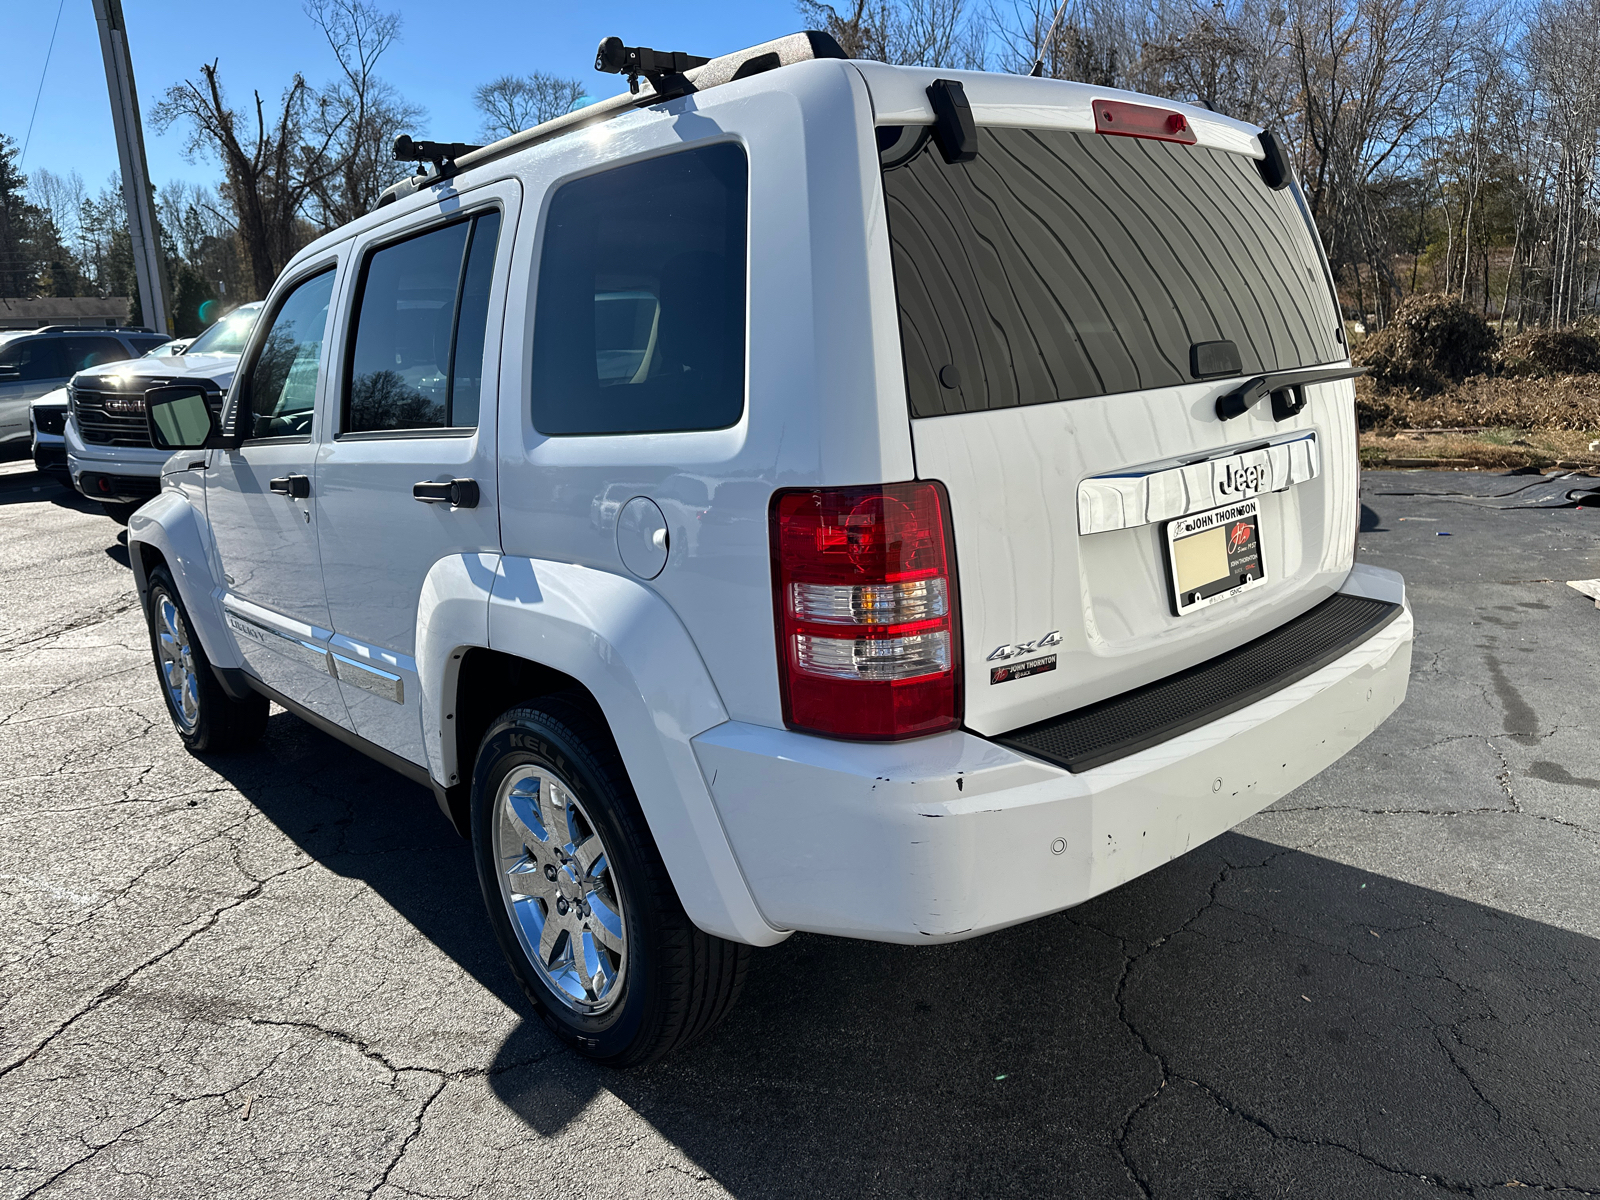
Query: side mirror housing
180 418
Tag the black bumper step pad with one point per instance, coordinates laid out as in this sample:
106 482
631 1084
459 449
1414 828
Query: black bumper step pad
1136 720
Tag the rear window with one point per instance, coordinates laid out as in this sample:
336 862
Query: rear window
1059 265
639 322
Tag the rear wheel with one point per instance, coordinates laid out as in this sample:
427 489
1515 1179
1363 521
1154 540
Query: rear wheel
578 895
206 717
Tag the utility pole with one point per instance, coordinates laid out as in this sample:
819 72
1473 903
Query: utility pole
155 301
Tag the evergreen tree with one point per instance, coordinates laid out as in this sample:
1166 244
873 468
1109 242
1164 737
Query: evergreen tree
18 273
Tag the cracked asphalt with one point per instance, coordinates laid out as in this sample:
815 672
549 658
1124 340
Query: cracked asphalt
269 975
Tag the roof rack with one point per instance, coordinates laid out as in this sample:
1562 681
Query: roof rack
88 329
674 79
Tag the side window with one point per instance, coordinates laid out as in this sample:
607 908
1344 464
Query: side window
640 319
85 352
282 388
147 343
33 359
416 351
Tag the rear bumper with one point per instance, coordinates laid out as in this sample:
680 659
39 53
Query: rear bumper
952 836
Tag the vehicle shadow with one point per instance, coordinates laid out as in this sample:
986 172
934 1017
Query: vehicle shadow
1245 1021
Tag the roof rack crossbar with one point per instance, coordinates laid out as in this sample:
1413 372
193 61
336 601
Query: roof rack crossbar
781 52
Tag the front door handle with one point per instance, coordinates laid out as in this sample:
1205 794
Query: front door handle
297 487
458 493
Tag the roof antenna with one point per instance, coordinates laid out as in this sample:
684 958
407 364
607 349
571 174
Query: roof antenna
663 68
1044 47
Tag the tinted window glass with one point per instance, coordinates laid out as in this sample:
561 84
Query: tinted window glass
33 359
1058 265
413 320
640 320
283 382
146 344
83 353
466 387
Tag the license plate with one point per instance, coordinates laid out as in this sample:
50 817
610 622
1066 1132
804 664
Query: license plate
1214 555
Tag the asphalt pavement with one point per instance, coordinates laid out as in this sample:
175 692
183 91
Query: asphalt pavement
270 976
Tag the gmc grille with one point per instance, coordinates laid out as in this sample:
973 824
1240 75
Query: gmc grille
101 428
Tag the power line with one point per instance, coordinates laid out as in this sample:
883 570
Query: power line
40 92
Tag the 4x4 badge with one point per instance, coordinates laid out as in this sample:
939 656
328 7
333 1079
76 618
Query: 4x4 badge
1020 649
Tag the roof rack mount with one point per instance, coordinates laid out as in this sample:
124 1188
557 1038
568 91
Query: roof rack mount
663 68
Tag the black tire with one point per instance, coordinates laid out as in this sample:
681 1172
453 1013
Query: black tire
221 724
676 982
118 512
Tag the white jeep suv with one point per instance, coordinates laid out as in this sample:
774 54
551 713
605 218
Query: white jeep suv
806 494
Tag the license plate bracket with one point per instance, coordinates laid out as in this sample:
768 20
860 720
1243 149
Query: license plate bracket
1214 556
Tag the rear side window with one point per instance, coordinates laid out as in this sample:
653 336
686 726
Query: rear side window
640 318
416 353
1059 265
282 388
144 345
85 352
29 359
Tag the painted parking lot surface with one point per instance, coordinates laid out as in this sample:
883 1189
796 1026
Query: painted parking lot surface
270 976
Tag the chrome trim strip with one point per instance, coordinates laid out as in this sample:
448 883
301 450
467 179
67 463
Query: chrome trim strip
276 640
386 684
1127 501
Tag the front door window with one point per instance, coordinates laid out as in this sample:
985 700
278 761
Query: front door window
282 387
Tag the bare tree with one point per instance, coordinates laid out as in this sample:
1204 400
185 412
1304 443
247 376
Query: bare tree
513 103
268 173
354 120
923 33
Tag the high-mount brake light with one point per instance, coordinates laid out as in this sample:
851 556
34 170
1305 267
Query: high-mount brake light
1142 121
864 588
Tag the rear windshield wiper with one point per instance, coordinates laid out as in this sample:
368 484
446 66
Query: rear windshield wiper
1285 387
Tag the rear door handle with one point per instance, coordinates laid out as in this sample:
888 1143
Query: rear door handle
458 493
296 487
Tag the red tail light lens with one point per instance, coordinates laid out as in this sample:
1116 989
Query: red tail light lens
864 587
1143 121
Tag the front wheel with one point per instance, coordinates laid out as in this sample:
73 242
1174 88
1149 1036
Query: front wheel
579 898
205 716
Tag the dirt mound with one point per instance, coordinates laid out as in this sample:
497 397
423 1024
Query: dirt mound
1567 402
1431 341
1549 352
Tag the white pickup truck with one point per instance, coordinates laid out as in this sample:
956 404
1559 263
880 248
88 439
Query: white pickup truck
805 494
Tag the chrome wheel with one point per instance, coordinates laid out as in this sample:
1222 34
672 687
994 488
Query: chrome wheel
557 884
175 658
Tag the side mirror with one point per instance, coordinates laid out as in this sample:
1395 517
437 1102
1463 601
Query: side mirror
179 418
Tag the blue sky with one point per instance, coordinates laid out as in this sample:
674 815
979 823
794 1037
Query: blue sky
448 47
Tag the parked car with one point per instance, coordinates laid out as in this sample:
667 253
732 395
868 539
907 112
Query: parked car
36 361
877 501
47 420
109 456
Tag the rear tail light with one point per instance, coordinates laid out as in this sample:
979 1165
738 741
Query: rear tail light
868 637
1142 121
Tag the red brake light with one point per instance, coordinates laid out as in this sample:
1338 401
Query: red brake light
864 591
1143 121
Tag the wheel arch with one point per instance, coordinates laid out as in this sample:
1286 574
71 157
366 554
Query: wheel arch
554 627
167 531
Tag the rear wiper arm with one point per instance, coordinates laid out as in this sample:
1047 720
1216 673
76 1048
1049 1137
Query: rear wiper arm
1285 388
